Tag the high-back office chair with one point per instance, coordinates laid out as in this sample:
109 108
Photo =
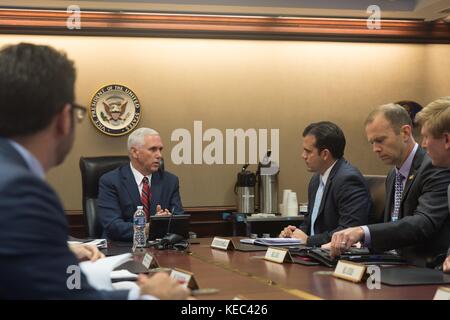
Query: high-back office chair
92 169
377 191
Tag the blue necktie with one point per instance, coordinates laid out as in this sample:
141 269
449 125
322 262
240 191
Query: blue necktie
317 202
397 196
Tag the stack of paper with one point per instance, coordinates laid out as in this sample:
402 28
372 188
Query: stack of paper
98 273
99 243
273 241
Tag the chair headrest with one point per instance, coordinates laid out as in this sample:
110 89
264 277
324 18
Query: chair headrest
92 168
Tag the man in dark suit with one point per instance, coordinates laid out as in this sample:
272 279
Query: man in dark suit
435 122
139 183
417 221
338 196
37 130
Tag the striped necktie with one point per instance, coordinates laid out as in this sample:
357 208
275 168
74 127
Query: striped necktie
398 196
145 197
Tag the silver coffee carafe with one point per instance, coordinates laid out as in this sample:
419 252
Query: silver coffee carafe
268 185
245 191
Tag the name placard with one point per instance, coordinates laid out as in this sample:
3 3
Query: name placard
149 261
349 271
442 293
185 277
278 255
222 244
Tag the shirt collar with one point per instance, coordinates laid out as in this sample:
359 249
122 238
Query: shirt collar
33 164
139 176
326 174
406 166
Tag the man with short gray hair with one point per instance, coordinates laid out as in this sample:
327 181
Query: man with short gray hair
142 182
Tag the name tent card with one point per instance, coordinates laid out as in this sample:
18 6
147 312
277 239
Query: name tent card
442 293
185 277
222 244
278 255
349 271
149 261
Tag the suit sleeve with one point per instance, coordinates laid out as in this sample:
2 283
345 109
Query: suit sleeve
113 223
431 212
175 198
34 256
353 205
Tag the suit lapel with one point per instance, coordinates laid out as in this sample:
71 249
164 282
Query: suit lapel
155 189
328 185
130 184
417 161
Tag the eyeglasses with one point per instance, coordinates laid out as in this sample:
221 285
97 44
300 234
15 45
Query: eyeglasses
80 111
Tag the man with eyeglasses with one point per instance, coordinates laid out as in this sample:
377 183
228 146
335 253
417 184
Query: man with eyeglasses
37 130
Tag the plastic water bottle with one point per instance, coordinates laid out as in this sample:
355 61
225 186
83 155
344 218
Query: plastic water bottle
139 221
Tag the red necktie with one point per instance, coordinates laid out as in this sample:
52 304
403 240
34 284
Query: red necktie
145 197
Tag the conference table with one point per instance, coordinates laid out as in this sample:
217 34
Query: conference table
246 275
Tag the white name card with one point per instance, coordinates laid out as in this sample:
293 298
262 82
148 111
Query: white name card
278 255
349 271
222 244
442 293
149 261
185 277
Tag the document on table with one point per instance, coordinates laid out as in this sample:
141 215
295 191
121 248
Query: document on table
273 241
99 243
98 273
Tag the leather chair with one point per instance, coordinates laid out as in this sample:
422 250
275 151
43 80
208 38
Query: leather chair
92 168
377 191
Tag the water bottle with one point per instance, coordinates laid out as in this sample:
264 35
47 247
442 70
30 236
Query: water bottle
139 222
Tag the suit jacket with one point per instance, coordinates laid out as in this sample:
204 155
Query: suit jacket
422 231
34 255
119 197
346 202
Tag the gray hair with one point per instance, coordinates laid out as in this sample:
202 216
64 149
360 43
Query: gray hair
136 138
394 113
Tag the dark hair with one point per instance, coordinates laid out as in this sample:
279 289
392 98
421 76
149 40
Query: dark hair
412 107
328 136
35 83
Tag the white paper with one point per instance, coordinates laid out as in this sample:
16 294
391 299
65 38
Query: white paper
122 274
273 241
99 243
98 273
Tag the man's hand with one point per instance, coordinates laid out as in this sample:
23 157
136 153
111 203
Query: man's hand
85 252
299 234
287 232
162 286
160 212
446 266
343 240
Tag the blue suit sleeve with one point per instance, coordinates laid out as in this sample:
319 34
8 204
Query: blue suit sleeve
176 206
113 223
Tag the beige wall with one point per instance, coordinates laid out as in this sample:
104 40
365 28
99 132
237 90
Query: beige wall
244 84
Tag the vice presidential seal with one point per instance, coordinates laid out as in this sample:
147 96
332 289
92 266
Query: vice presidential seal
115 110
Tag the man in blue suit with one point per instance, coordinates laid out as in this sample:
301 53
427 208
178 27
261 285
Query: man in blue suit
139 183
338 196
37 130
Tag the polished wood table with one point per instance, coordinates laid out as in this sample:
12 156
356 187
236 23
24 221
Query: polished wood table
246 274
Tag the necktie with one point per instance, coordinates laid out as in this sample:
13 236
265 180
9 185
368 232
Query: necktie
145 197
397 196
316 207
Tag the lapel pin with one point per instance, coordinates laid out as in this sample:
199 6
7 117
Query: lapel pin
411 177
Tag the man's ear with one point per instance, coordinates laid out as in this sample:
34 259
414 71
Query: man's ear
64 121
446 137
406 130
134 152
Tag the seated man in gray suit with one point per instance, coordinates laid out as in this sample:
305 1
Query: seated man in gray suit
338 195
417 221
435 122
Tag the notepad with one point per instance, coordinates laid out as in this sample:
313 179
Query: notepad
273 241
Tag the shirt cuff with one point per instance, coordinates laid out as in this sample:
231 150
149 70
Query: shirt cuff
135 294
367 240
